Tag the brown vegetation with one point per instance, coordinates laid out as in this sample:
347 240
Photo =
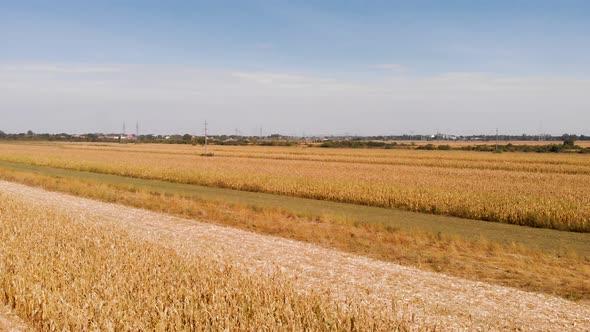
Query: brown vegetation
522 189
564 274
62 273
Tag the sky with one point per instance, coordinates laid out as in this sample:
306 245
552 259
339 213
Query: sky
296 67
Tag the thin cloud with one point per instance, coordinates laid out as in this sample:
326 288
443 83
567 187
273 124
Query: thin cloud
392 67
173 98
268 77
60 68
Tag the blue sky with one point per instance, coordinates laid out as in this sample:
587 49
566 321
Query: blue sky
360 45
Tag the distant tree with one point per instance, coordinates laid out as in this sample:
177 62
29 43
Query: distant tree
30 133
187 137
2 134
569 140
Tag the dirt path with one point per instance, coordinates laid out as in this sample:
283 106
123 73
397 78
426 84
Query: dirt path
452 303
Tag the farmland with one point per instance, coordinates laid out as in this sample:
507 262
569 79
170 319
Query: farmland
63 273
539 190
119 264
547 260
343 199
342 166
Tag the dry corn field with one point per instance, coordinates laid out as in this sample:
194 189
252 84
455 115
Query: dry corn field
71 271
77 264
540 190
557 271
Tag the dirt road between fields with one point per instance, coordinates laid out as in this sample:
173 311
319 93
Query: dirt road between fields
430 298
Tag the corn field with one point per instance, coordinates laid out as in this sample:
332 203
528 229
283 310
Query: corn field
60 273
539 190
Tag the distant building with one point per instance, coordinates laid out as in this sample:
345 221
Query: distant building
443 137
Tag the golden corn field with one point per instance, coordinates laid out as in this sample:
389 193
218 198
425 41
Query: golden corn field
557 272
540 190
61 273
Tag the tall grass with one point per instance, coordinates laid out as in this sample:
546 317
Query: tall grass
62 273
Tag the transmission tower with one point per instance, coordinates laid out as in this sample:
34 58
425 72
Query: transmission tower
496 139
205 132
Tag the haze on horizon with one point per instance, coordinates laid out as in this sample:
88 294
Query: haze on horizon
330 67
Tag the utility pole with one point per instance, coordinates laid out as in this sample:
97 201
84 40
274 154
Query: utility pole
205 131
496 139
124 132
137 129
